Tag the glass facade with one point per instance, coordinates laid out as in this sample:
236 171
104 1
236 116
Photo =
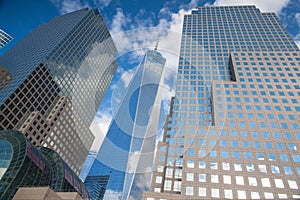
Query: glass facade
87 165
233 127
128 147
96 186
4 38
54 80
22 165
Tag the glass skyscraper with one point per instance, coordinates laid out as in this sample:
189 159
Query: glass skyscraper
53 82
4 38
87 164
233 130
128 147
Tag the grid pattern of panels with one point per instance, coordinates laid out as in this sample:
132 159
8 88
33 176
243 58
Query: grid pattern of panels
37 93
5 77
22 59
4 38
75 62
71 48
236 138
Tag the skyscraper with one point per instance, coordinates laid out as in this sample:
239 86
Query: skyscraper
54 80
4 38
96 186
88 164
128 147
233 130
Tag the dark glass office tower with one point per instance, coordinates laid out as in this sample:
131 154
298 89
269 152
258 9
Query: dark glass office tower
53 82
233 130
128 147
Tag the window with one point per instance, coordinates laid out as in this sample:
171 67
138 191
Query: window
215 193
228 194
202 177
279 183
262 168
292 184
177 186
190 163
167 185
169 172
190 177
202 192
265 182
189 190
158 179
239 180
238 167
227 179
214 178
241 194
178 173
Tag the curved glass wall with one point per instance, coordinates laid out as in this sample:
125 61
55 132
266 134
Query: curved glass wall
22 165
6 153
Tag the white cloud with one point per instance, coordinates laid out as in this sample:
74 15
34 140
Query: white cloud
133 160
297 40
119 22
141 183
66 6
112 195
100 125
297 18
264 5
102 3
127 76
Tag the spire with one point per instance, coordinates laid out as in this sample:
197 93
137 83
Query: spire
156 45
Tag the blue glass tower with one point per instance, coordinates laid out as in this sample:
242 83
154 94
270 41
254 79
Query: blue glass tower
133 127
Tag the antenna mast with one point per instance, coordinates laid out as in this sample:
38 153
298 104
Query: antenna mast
156 45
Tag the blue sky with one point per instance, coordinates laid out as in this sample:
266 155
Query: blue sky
19 17
133 24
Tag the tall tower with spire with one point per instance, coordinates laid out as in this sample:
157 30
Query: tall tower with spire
128 148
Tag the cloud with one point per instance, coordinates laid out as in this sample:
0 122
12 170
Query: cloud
141 183
100 125
133 160
102 3
193 4
264 5
119 22
297 18
66 6
112 195
297 40
127 76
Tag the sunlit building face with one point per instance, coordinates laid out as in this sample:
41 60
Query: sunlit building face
233 130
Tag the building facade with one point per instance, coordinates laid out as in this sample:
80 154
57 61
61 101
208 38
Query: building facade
87 165
233 130
127 150
4 38
44 193
96 186
54 80
22 165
